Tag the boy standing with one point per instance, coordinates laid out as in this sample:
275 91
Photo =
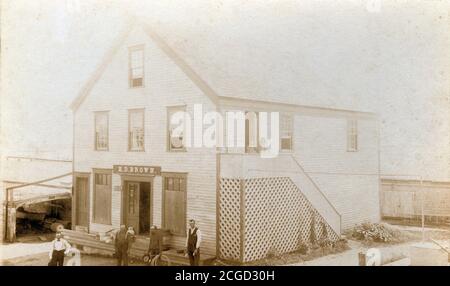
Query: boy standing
60 248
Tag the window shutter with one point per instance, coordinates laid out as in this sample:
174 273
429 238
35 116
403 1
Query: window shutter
174 203
102 198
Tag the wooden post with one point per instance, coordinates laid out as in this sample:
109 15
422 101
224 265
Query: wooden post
5 217
10 216
218 205
11 224
422 207
361 259
242 219
3 224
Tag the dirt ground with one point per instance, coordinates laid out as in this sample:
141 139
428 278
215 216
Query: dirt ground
389 251
42 259
32 251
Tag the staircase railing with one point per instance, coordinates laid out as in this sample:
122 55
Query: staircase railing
316 197
254 166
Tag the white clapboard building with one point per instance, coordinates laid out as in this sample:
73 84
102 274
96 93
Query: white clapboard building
129 169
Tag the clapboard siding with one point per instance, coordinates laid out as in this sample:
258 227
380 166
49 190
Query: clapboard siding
349 180
165 85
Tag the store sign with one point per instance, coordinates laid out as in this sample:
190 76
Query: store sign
137 170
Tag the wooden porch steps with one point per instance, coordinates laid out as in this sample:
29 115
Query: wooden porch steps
79 238
138 249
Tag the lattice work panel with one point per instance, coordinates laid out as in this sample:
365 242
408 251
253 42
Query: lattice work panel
229 219
278 217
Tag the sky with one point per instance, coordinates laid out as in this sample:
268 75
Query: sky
389 57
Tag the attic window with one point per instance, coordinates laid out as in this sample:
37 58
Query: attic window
136 66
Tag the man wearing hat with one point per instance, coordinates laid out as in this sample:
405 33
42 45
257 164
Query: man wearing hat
156 241
60 248
193 240
121 246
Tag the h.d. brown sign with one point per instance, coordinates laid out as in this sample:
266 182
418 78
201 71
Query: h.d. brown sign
137 170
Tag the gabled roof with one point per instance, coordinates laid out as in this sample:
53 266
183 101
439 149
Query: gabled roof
182 64
202 84
190 73
87 87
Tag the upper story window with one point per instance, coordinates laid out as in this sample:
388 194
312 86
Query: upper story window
136 66
101 130
136 130
286 131
176 122
251 132
352 135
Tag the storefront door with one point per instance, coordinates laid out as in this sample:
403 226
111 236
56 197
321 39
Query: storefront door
82 201
137 206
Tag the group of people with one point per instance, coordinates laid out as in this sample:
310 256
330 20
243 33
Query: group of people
126 237
124 240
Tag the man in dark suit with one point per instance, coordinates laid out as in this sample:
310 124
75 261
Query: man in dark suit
193 241
156 239
122 246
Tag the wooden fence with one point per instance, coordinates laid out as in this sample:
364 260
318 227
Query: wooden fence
404 199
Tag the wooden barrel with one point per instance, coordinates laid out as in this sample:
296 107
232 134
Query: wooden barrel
56 226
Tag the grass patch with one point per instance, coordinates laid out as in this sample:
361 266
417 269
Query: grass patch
370 233
304 253
382 234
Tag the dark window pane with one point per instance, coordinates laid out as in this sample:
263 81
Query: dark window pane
170 184
182 184
286 144
137 82
176 184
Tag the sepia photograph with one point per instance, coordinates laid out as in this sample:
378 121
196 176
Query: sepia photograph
221 133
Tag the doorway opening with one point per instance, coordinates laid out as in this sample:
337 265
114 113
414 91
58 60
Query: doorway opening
39 221
137 206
